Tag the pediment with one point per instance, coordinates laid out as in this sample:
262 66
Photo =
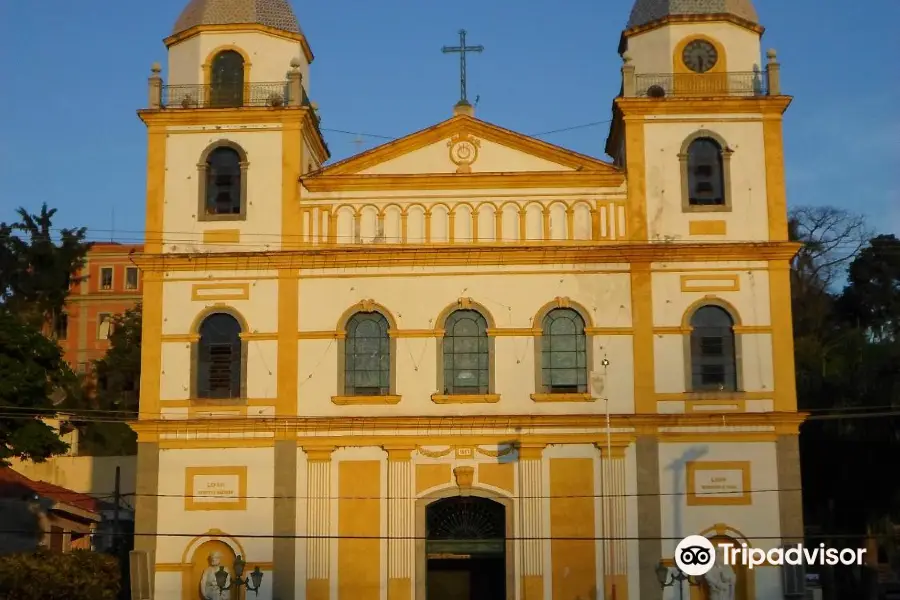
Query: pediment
464 145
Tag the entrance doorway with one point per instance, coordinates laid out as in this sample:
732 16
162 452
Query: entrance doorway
465 549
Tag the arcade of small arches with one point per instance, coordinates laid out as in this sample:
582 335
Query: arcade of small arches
705 160
367 351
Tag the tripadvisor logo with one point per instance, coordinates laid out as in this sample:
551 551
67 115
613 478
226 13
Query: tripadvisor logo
695 555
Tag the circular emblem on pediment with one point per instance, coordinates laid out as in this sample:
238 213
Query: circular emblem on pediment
463 152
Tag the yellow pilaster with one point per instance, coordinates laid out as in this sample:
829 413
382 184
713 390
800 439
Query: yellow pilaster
636 168
288 281
782 336
776 194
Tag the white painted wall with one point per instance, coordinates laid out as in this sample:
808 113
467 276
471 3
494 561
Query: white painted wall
748 218
270 56
261 230
653 51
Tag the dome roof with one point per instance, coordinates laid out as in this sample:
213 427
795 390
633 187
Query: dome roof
272 13
647 11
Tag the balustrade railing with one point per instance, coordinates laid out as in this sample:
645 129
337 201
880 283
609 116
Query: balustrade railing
661 85
274 94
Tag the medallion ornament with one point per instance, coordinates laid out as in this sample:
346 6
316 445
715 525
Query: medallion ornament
463 151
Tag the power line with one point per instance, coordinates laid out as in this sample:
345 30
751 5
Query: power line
515 538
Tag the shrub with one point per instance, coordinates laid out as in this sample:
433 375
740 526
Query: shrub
42 575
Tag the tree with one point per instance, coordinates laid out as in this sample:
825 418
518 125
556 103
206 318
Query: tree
118 376
32 375
37 272
872 297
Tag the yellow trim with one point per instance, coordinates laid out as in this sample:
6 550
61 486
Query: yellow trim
711 283
216 403
562 398
465 398
635 155
745 498
259 337
365 400
720 397
505 255
719 437
782 336
191 504
707 227
207 64
572 511
321 335
151 346
178 338
238 291
643 356
186 567
724 105
776 193
751 329
242 27
199 444
465 125
222 236
719 406
288 281
609 331
463 181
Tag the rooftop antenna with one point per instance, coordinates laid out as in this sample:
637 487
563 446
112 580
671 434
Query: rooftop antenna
112 230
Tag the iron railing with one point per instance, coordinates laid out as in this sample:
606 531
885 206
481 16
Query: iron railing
227 96
655 85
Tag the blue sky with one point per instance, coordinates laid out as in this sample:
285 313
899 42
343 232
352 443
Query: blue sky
75 72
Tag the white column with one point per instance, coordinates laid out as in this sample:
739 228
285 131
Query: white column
401 523
615 544
531 516
318 522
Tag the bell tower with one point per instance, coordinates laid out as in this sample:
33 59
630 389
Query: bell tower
698 124
231 129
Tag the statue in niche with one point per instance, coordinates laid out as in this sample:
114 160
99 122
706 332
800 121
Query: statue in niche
209 589
721 579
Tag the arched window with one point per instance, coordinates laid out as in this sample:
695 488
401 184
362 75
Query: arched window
713 364
220 357
226 78
706 173
224 190
367 366
466 354
564 353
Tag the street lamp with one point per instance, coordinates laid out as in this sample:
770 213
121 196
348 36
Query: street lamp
238 580
669 576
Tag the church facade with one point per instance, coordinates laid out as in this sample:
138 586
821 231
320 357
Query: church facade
466 363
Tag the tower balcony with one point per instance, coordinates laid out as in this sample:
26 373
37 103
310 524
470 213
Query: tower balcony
757 83
277 94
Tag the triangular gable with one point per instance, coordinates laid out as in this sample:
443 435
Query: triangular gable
546 157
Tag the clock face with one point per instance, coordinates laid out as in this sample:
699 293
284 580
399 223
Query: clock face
700 56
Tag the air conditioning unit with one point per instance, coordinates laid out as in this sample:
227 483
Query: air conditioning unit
793 580
141 582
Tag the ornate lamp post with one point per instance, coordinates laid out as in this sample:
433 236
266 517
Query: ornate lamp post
670 576
239 580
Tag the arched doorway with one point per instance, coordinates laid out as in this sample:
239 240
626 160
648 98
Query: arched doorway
226 78
744 586
201 561
466 549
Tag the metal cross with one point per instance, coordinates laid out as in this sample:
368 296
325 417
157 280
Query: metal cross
462 49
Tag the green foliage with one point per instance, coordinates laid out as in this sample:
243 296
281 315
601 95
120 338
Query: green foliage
118 376
38 268
32 373
36 271
76 575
